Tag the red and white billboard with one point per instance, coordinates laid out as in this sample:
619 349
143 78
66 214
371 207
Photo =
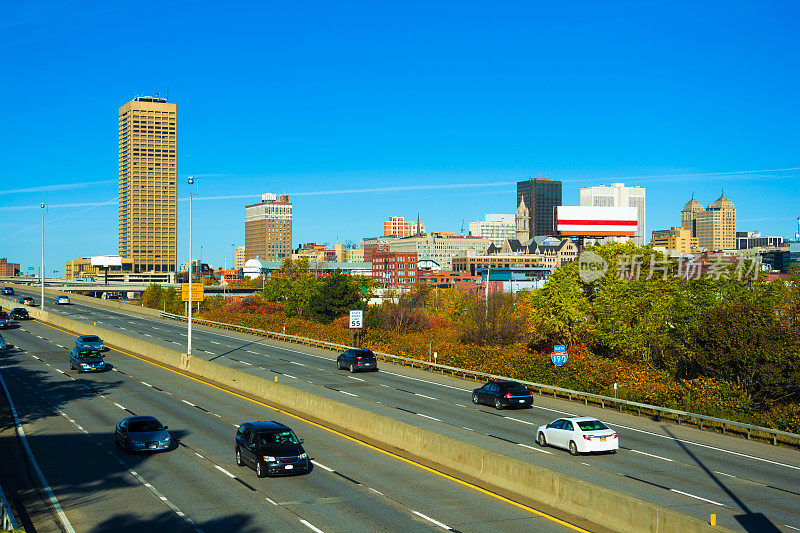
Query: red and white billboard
593 221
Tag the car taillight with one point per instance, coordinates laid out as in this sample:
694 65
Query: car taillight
530 393
587 437
508 395
614 436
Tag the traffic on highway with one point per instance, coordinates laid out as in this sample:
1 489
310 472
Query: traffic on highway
700 473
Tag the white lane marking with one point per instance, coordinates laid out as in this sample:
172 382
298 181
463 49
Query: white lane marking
174 342
533 448
296 363
61 346
146 334
322 466
792 527
40 336
188 403
118 405
198 455
213 342
270 500
423 396
251 351
246 363
290 376
429 417
723 473
424 381
587 464
696 497
520 421
432 521
146 384
651 455
554 410
375 491
35 357
115 370
218 416
224 471
49 491
311 526
60 371
468 429
738 454
348 393
355 378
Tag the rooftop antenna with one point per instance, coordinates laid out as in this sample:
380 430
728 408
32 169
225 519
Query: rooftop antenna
462 227
797 231
418 232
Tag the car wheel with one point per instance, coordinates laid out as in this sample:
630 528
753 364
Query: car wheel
541 440
497 404
239 461
352 368
573 448
475 399
260 470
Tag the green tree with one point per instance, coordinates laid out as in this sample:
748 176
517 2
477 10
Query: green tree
336 296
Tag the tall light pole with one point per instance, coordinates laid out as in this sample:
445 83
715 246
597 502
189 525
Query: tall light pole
41 304
191 267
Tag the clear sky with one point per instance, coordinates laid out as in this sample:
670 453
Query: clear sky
451 102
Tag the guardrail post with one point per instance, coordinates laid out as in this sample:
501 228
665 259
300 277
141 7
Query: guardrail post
748 433
723 428
701 423
638 411
602 403
658 416
585 400
774 439
679 420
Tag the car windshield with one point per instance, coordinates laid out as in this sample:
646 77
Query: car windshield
143 426
278 438
513 386
88 353
592 425
3 314
91 338
19 310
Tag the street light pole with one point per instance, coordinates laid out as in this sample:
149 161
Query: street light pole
41 304
189 332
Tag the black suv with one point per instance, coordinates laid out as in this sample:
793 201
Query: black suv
357 359
20 313
270 448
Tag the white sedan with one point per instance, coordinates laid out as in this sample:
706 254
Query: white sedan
580 434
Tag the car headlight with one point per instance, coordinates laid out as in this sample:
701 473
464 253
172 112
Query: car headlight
269 459
303 455
84 365
165 439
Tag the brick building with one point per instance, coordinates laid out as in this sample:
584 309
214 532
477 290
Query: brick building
395 269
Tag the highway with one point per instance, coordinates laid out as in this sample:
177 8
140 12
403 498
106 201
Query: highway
196 486
749 486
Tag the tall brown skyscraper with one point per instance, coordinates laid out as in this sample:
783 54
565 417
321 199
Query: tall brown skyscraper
147 185
715 226
268 228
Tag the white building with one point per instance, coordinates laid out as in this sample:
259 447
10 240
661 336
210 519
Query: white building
497 228
618 195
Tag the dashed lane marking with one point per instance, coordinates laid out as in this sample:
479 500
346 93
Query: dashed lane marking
696 497
432 521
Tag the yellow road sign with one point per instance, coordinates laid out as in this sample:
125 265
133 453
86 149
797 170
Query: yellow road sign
197 292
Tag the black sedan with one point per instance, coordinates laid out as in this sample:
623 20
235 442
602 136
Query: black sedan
357 359
141 434
8 291
503 394
20 313
5 320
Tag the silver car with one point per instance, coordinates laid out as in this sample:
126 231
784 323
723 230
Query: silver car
141 433
92 342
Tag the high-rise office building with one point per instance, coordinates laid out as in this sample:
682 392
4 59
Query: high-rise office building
618 195
714 226
497 228
147 185
540 196
268 228
400 227
240 259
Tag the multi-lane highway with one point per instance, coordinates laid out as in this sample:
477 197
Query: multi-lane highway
749 486
69 419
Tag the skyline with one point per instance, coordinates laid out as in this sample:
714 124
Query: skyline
380 111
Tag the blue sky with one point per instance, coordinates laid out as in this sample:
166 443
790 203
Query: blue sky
469 97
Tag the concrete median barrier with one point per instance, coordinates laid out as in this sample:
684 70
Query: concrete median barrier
524 482
114 305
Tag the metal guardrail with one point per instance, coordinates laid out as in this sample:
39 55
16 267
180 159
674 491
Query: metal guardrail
7 520
703 422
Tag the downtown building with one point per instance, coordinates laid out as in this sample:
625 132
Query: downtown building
496 227
537 199
268 229
400 227
147 234
618 195
439 248
714 227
